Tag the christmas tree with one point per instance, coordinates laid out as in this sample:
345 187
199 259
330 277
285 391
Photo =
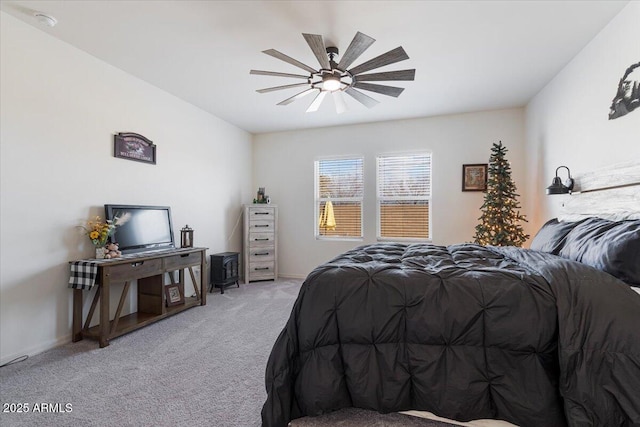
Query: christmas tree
500 218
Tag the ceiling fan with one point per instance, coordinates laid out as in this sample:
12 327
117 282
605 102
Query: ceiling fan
336 78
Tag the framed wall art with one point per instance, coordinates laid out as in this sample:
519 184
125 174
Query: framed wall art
132 146
474 177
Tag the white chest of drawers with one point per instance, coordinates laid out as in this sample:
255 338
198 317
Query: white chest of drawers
260 242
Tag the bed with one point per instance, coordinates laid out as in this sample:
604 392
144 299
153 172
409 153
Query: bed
547 336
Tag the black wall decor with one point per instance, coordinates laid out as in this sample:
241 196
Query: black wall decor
132 146
627 98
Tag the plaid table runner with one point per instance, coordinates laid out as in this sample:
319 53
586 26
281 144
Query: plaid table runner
83 274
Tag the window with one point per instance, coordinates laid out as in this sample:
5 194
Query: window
404 196
338 204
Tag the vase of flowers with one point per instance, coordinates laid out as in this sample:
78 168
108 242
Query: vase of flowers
99 232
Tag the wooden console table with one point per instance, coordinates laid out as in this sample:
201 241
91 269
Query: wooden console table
150 271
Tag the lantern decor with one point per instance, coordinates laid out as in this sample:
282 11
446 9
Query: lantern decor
186 237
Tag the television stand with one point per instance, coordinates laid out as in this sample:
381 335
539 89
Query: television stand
150 272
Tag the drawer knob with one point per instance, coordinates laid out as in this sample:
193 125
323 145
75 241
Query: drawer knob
261 213
261 240
261 225
261 253
261 268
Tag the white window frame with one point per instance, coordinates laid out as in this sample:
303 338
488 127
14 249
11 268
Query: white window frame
428 198
318 200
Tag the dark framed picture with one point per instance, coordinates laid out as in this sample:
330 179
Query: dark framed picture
474 177
132 146
174 296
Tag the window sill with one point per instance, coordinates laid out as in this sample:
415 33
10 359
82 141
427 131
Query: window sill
339 239
404 239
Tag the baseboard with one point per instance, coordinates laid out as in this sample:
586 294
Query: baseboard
292 276
48 345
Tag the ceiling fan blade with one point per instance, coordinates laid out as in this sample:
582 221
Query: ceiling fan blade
297 96
290 60
358 45
385 90
273 73
366 100
389 75
338 99
271 89
396 55
316 102
317 46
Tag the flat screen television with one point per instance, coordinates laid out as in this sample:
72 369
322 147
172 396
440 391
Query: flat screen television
149 228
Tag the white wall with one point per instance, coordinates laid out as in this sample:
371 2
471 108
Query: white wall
567 122
60 107
59 110
283 163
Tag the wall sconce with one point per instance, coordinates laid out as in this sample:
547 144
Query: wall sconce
186 237
557 187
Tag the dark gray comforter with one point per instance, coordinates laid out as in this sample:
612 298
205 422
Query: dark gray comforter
465 332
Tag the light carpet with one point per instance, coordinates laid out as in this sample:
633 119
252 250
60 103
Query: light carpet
202 367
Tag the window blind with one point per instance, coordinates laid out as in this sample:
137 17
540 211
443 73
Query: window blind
404 196
339 193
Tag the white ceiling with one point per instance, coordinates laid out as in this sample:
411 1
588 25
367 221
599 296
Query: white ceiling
469 55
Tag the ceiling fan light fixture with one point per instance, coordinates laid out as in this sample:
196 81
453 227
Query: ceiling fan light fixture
331 83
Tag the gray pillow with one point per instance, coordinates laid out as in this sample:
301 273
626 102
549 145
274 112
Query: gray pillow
551 236
611 246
